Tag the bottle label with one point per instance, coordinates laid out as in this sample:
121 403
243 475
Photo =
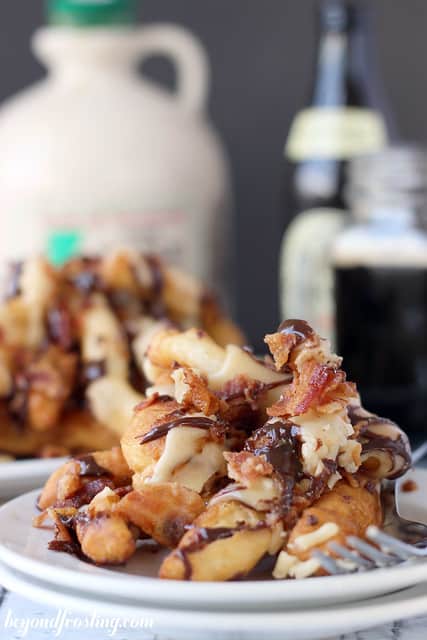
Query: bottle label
161 232
335 132
306 273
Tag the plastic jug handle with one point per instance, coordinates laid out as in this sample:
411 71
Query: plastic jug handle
189 57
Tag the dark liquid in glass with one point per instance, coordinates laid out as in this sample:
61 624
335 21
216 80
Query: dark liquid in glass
382 335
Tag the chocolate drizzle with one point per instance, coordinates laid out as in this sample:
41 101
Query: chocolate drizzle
237 388
160 430
358 417
298 328
156 275
372 442
89 467
203 536
72 545
396 449
155 305
87 492
59 327
279 443
13 285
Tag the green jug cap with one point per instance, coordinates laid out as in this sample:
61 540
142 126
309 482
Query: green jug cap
91 13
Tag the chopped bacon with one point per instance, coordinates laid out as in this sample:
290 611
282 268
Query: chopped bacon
153 399
313 385
246 389
245 467
198 394
281 346
85 494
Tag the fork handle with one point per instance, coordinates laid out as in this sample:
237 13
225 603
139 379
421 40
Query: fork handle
419 453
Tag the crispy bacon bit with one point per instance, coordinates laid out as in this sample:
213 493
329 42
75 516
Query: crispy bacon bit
153 399
197 394
245 388
313 385
86 493
59 517
281 346
245 467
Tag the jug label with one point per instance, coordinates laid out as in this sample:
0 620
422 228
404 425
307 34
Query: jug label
161 232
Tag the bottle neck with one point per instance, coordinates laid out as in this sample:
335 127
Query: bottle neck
345 73
389 188
70 53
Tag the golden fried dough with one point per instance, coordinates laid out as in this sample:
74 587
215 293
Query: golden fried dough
226 541
162 511
70 476
106 539
142 458
351 508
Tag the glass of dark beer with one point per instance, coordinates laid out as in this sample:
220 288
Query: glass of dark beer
380 271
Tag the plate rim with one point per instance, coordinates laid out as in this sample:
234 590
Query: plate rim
369 613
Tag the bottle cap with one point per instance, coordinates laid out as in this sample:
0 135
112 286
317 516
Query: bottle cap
90 13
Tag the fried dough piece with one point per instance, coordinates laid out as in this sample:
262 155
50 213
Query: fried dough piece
226 541
350 508
70 476
63 329
22 315
184 298
60 484
162 511
104 536
142 458
347 510
183 450
231 372
112 402
386 452
106 539
103 339
77 432
50 380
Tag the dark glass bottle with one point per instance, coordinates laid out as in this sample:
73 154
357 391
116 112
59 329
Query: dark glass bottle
347 116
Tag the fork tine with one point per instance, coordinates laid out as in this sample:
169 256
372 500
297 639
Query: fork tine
398 547
352 556
369 551
329 564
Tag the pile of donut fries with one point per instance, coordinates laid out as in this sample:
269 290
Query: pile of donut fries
72 335
229 462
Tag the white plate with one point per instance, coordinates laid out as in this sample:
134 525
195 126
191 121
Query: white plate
305 624
24 548
23 475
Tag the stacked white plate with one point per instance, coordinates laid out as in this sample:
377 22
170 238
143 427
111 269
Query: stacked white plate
311 608
18 476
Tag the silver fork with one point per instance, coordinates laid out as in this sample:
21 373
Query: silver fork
362 556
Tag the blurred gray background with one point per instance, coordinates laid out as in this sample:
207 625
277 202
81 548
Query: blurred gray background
261 53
